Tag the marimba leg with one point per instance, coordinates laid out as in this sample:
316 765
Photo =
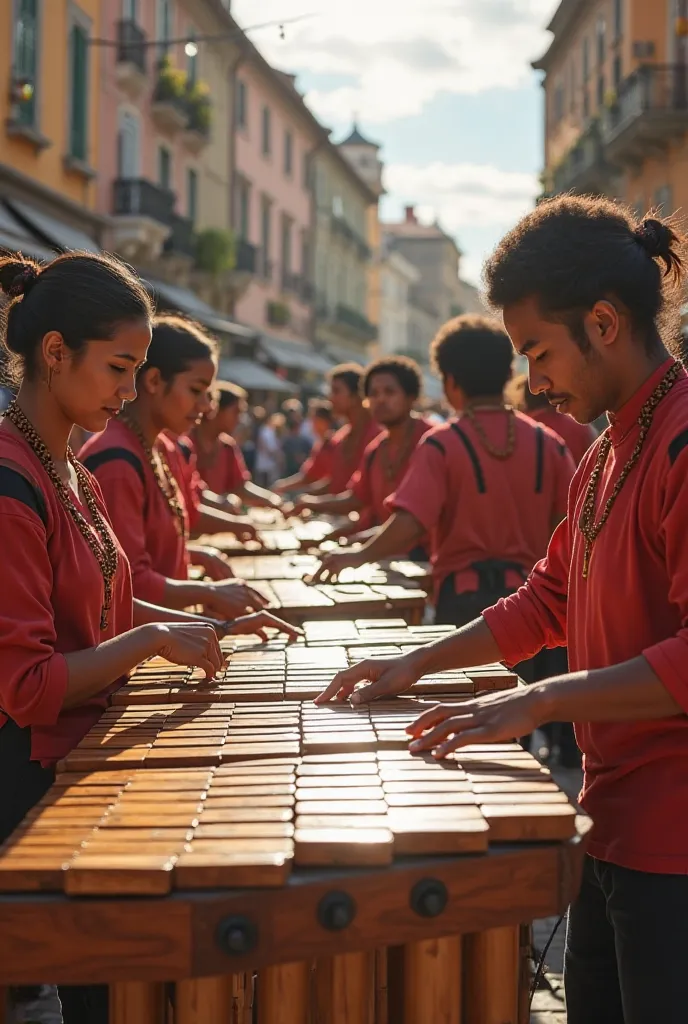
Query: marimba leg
204 1001
342 989
137 1002
432 981
491 961
283 994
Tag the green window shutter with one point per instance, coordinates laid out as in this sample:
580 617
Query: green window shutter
79 76
26 56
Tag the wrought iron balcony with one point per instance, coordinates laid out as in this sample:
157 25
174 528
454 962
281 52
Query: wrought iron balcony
246 257
651 109
131 45
138 197
349 317
182 239
584 169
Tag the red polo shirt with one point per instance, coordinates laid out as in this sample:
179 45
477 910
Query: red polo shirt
634 602
577 436
345 460
50 603
225 472
371 483
139 512
475 506
318 466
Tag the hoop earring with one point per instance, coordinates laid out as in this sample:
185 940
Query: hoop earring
50 378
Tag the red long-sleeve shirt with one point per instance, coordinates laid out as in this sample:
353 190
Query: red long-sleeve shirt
140 514
51 597
634 602
477 507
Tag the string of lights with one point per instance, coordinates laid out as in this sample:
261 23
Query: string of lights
191 41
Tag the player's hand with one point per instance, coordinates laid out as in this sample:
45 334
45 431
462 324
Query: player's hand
301 505
494 718
228 599
333 563
386 678
244 529
190 643
212 561
259 622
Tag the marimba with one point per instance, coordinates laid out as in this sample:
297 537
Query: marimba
205 851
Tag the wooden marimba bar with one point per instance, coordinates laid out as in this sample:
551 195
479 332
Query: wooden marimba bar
231 852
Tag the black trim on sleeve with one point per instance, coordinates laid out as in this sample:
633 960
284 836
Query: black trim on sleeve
472 454
98 459
539 458
677 446
435 444
185 449
15 485
371 458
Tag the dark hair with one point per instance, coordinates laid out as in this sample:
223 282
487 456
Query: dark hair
476 352
321 409
82 296
349 373
229 395
175 344
406 371
573 251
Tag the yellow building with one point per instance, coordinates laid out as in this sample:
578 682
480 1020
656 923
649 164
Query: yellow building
616 101
49 124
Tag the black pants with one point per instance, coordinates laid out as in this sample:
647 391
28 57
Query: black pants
627 947
24 783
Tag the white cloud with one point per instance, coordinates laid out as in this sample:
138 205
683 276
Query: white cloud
400 54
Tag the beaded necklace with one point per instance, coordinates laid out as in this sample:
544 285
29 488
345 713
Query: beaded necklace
102 545
497 453
587 525
164 476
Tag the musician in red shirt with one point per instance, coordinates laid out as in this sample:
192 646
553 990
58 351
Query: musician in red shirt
220 462
592 298
488 487
318 466
348 443
576 436
392 387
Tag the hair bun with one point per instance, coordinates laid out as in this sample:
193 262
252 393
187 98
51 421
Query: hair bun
23 282
655 238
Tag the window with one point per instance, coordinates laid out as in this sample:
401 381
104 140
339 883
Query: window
307 171
618 19
305 256
586 104
265 239
191 194
242 104
130 10
558 103
618 71
266 131
288 153
244 208
663 200
25 56
601 37
191 59
337 206
79 91
164 168
586 59
128 137
163 24
600 91
573 88
285 250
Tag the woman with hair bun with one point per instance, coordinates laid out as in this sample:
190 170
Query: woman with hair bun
140 471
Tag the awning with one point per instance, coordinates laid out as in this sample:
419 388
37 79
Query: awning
253 376
59 234
185 301
294 355
15 237
338 354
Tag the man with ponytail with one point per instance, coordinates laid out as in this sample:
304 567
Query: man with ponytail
592 299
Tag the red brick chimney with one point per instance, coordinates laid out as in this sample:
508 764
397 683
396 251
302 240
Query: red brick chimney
411 215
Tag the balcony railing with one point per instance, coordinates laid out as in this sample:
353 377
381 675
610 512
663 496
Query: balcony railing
246 257
584 168
290 282
182 239
650 109
357 321
138 197
131 45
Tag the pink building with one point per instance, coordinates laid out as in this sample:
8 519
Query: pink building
275 136
165 134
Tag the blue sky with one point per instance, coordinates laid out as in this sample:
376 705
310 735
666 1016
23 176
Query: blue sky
444 86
